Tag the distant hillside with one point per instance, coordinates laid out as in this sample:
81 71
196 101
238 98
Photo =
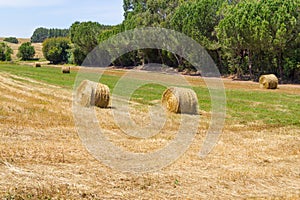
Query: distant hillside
37 47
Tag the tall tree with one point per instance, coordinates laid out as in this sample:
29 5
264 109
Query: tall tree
85 36
259 29
198 19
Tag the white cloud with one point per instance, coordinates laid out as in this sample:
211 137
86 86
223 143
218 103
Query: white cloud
29 3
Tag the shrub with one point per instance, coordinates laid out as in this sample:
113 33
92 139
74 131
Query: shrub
26 51
5 52
56 50
12 40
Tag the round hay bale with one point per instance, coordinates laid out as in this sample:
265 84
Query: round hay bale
90 93
180 100
65 70
269 81
38 65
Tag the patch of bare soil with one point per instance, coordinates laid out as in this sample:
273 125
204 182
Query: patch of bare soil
41 155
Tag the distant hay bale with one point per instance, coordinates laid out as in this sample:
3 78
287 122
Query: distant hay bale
65 70
90 93
180 100
38 65
269 81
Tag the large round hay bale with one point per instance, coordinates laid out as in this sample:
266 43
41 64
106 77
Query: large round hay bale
90 93
180 100
269 81
65 70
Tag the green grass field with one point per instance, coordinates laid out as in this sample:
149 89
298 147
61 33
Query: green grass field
243 106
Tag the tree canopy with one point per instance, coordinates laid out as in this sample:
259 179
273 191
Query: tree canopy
56 50
11 40
40 34
26 51
244 37
5 52
84 36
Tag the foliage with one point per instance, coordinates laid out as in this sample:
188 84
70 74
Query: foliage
11 40
40 34
244 37
26 51
256 35
84 36
198 19
5 52
56 50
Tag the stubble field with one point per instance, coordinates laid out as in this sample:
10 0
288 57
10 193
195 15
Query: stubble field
42 157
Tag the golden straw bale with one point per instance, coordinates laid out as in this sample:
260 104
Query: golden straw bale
90 93
65 70
269 81
180 100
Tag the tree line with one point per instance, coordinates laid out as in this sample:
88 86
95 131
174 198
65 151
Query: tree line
41 34
244 37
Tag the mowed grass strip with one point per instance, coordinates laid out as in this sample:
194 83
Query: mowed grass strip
244 106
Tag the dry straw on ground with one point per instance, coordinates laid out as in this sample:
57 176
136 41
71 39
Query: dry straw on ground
65 70
269 81
180 100
90 93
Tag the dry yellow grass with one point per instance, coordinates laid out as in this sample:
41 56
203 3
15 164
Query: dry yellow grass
37 46
42 156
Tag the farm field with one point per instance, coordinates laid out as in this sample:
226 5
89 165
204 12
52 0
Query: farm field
42 157
37 47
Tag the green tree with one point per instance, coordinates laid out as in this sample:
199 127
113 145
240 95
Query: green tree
85 36
256 34
141 13
11 40
198 19
5 52
26 51
41 34
283 18
56 50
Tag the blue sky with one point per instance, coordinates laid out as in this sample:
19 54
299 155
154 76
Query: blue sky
19 18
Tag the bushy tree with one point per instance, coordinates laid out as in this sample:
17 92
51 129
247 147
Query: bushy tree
198 19
5 52
11 40
26 51
258 34
85 37
56 50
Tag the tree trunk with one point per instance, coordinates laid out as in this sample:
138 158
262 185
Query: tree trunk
280 67
250 64
220 62
161 56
